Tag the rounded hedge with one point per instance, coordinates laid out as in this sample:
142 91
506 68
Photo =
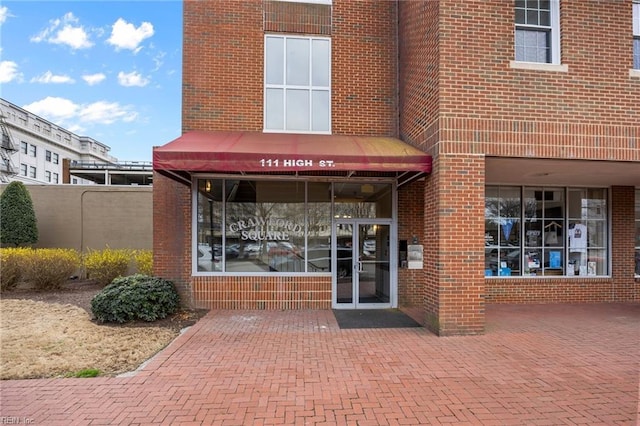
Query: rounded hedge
136 297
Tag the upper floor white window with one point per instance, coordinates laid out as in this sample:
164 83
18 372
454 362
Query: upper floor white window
47 155
297 89
33 150
537 31
23 169
636 34
56 158
24 147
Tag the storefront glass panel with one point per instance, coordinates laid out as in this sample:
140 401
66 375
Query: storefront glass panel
565 231
283 226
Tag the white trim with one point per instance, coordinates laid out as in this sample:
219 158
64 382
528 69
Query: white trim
538 66
554 27
284 86
634 73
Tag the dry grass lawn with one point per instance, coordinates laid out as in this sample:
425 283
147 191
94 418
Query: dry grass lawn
39 339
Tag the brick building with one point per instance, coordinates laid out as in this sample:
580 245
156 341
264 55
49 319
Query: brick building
433 155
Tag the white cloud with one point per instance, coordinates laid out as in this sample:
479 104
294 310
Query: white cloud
106 113
126 36
132 79
9 72
49 77
93 79
70 115
53 108
65 31
4 14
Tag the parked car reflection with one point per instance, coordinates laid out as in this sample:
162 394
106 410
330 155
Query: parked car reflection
319 260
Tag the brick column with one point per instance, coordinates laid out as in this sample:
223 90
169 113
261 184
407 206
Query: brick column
172 234
454 245
625 287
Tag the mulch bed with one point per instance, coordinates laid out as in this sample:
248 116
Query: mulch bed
80 292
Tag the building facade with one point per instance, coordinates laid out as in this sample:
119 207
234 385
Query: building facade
433 155
38 148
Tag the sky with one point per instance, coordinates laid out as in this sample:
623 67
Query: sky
109 70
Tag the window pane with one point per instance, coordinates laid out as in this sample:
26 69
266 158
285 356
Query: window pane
509 202
320 63
545 18
320 108
274 60
297 110
319 227
532 17
520 16
298 62
209 225
274 109
636 53
362 200
265 226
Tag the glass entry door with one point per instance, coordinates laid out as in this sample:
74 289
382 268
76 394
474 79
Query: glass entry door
363 267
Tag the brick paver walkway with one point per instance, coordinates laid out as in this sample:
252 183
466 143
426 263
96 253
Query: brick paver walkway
536 365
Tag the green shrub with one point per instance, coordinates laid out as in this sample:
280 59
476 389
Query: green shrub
48 269
103 266
144 261
18 225
136 297
11 265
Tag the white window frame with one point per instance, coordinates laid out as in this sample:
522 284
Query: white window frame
56 158
24 147
56 178
33 172
47 175
636 30
24 169
284 86
553 28
33 150
47 156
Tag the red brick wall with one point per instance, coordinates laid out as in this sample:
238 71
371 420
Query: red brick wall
262 292
223 62
410 224
222 71
364 68
172 234
419 72
454 218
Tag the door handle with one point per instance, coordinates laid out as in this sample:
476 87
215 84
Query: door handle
360 266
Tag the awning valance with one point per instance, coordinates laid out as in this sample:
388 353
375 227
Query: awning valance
199 151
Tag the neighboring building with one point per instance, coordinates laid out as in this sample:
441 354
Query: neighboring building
39 147
433 155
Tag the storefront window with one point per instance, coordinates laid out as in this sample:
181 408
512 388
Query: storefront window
564 233
638 232
209 221
502 231
544 232
283 226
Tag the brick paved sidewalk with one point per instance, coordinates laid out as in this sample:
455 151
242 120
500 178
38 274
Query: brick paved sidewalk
536 365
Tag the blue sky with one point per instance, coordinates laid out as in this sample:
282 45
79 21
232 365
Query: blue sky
110 70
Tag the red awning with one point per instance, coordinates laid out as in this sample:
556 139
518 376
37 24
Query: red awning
282 152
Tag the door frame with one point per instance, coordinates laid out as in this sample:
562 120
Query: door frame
393 263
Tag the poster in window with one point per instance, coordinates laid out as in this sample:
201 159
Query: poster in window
591 268
555 260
